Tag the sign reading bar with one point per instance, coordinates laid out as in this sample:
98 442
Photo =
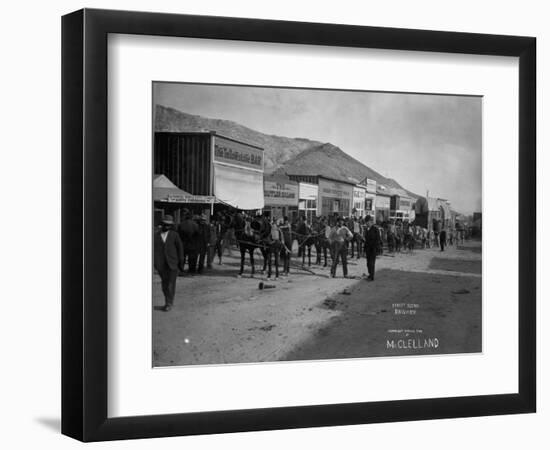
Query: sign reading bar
231 152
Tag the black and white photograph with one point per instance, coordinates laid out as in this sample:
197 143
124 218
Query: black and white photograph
296 224
272 225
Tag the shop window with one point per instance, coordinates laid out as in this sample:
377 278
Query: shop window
311 204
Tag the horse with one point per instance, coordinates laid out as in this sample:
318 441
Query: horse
286 250
398 236
272 246
188 231
429 238
423 234
306 239
248 242
322 243
356 243
409 238
390 235
248 239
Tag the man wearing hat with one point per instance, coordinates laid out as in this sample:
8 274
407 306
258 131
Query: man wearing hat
373 243
168 258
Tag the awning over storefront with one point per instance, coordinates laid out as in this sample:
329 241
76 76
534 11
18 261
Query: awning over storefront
166 191
240 188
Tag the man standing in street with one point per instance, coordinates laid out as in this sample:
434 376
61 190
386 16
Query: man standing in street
373 243
339 237
168 258
443 238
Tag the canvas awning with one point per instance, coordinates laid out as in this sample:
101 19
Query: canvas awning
166 191
240 188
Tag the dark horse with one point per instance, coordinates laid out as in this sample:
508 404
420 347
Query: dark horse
322 244
248 239
257 234
398 238
408 238
306 239
271 239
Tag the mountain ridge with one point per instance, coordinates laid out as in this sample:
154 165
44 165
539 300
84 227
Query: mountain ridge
277 148
282 154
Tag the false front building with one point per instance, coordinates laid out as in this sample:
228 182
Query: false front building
281 197
208 164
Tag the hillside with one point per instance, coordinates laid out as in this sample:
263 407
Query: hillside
282 154
278 149
332 162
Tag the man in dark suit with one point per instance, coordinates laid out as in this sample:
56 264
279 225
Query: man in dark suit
373 243
168 251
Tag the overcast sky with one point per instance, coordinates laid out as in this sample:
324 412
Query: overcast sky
425 142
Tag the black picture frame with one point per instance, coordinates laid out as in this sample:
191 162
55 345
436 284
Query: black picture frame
84 224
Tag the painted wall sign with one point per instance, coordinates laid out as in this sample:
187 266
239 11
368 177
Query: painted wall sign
336 190
358 193
280 193
231 152
371 186
382 202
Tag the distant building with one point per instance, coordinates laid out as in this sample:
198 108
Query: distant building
322 196
332 182
402 206
430 211
335 197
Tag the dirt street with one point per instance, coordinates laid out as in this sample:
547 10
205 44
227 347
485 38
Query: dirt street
425 302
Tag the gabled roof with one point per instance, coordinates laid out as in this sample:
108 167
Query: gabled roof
162 181
331 162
